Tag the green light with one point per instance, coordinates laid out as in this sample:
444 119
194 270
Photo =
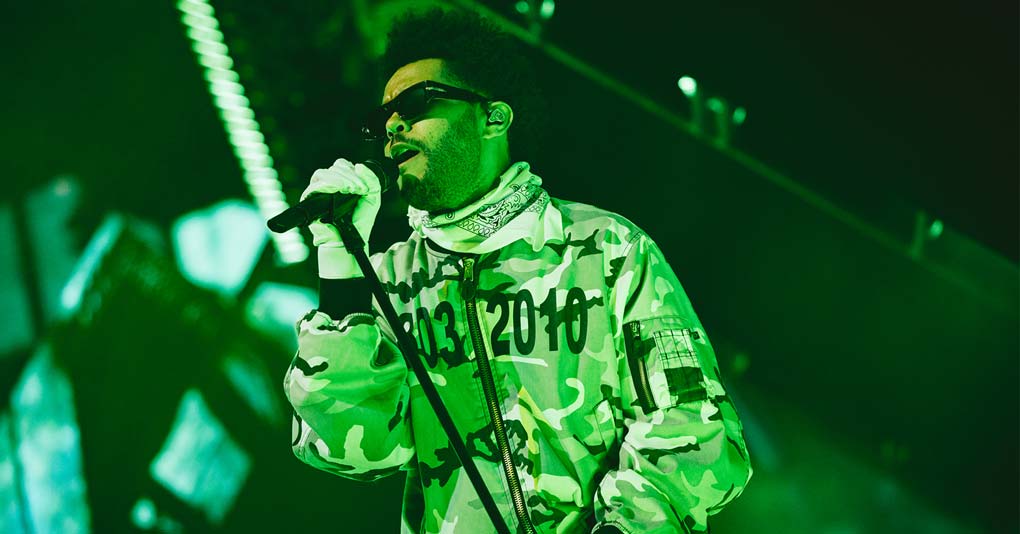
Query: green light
739 116
243 130
143 514
245 115
232 101
200 462
242 136
275 308
687 85
99 245
716 105
935 230
215 62
547 9
224 87
43 422
217 76
206 47
201 9
203 34
217 247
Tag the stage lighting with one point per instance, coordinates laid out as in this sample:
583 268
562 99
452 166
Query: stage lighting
545 10
688 85
275 308
44 459
217 247
739 116
239 121
200 462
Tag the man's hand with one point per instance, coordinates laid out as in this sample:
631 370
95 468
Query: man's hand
343 177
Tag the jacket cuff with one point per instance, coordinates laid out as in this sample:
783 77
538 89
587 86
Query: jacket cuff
340 298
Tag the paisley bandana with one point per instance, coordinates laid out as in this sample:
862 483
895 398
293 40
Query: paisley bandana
517 208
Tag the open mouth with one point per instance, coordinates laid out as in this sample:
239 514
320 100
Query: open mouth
404 156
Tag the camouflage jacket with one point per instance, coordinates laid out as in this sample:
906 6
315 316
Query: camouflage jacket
572 364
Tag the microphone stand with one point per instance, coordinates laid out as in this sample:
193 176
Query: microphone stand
409 349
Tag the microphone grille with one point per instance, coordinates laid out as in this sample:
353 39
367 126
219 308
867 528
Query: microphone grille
385 169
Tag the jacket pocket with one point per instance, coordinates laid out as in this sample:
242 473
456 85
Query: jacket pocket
664 361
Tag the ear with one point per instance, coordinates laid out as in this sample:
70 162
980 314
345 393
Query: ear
498 116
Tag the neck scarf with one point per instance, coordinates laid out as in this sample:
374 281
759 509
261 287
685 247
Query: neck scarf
517 208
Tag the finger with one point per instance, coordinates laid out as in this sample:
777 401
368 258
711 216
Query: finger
342 165
334 181
321 182
367 178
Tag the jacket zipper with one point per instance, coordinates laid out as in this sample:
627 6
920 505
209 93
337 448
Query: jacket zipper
492 401
638 370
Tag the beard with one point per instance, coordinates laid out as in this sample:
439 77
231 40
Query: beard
451 177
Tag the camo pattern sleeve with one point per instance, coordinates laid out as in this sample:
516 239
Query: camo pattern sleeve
348 386
683 455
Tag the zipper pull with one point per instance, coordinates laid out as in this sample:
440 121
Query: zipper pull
467 287
635 331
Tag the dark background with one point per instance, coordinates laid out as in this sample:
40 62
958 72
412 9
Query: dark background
876 374
863 102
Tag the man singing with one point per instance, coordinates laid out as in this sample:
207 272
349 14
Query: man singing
558 337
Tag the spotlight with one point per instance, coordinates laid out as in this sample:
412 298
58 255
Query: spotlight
688 85
239 121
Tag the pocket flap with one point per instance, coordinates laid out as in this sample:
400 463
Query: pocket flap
665 362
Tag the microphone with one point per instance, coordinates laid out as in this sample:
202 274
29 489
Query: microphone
333 205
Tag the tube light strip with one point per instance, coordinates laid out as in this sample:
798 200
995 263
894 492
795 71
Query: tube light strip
239 121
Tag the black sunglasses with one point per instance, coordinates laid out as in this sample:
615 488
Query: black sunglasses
411 104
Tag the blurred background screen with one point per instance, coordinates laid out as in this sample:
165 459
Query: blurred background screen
835 185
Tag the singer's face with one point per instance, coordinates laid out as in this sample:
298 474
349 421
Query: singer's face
445 174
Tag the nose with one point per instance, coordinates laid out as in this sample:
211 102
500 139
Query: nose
396 124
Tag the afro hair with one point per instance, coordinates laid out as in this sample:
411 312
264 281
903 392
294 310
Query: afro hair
481 57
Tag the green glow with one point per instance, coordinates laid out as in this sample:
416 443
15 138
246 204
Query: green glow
234 115
935 230
200 462
215 76
215 62
88 263
275 308
242 129
739 116
225 87
242 136
205 35
231 101
522 7
206 47
196 8
143 514
716 105
547 9
252 160
687 85
48 448
254 384
217 247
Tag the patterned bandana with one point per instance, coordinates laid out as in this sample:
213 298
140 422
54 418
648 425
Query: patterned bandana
517 208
